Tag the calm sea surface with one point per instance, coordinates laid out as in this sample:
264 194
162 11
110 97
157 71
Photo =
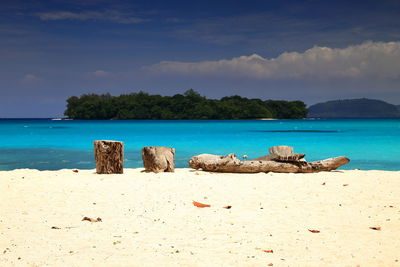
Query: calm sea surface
51 145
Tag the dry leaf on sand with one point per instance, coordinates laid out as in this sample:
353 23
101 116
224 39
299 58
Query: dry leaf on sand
377 228
200 205
91 219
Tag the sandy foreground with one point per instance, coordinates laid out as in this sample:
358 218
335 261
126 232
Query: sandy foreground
149 219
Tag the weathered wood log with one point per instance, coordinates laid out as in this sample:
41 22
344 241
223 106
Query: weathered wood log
158 159
109 156
231 163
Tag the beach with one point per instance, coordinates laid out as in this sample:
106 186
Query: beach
340 218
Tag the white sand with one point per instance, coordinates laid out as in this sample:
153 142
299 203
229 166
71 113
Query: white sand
149 219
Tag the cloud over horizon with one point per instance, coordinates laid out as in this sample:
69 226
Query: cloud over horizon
367 60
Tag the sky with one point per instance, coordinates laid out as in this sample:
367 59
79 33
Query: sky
312 51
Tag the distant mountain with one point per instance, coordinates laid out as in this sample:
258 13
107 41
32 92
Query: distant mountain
354 108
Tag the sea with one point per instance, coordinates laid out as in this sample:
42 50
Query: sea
48 144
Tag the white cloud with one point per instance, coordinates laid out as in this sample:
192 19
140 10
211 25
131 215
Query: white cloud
370 59
108 15
30 79
98 73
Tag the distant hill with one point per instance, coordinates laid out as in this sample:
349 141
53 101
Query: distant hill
354 108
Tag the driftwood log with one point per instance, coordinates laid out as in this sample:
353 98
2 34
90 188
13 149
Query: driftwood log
158 159
231 163
109 156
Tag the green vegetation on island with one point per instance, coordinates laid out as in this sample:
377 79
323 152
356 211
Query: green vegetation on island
354 108
190 105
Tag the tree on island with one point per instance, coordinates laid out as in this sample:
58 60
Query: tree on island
190 105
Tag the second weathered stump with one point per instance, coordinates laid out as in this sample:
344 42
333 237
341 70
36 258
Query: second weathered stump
109 156
158 158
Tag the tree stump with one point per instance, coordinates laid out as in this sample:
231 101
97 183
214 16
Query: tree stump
109 156
158 159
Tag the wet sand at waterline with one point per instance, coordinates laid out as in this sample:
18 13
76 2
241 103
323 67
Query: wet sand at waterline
341 218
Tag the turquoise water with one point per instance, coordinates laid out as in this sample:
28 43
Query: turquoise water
50 145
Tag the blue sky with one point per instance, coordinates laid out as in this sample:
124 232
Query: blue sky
307 50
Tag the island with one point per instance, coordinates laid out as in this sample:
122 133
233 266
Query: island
190 106
354 108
